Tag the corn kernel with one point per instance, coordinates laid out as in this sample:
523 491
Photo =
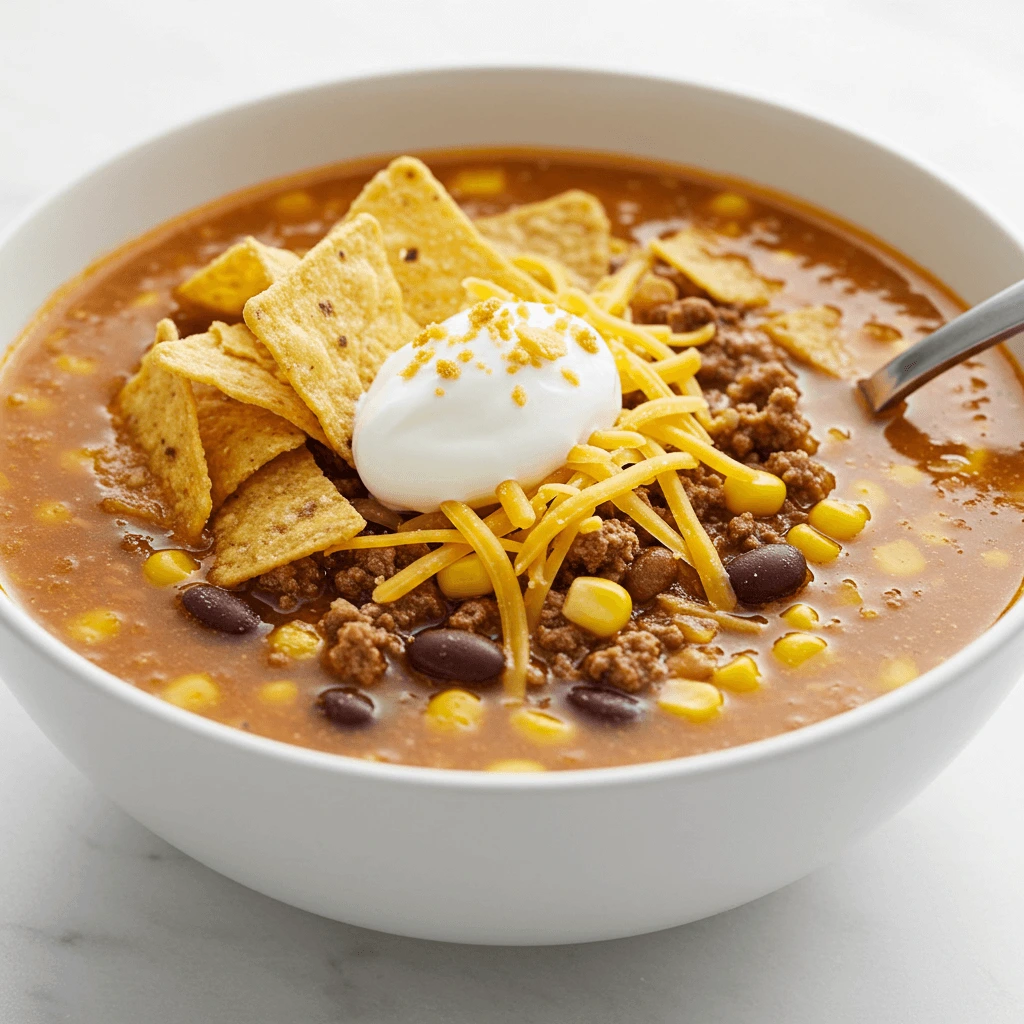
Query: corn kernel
294 205
741 675
53 512
906 476
165 568
763 496
93 627
729 204
838 434
817 548
281 692
794 649
687 698
591 525
597 605
295 639
898 672
849 593
80 365
839 520
801 616
540 726
485 181
516 764
995 559
465 578
872 494
899 558
454 711
194 692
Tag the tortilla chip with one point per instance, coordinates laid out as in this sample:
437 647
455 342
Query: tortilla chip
726 278
159 412
238 340
332 321
811 334
238 439
236 275
285 511
432 245
201 359
571 227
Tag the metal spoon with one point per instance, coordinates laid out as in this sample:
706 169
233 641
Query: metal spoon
987 324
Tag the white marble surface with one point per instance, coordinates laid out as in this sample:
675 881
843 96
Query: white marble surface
102 922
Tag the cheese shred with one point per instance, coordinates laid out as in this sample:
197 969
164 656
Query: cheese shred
580 506
516 504
388 540
511 608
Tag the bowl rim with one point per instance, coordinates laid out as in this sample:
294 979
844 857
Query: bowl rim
864 716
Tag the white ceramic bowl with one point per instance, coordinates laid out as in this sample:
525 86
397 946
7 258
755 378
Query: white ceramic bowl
475 857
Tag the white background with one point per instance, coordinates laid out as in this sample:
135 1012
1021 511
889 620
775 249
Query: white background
102 922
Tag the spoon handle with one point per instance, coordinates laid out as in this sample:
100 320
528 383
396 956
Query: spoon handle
982 326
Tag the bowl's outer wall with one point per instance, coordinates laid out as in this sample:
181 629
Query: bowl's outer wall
512 861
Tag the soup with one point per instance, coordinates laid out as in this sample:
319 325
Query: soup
581 480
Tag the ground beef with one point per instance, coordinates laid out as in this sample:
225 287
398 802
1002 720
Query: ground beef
480 615
557 634
806 480
292 584
745 532
630 663
746 430
691 663
734 534
734 351
356 649
756 385
355 574
682 316
606 552
668 633
705 489
561 667
422 606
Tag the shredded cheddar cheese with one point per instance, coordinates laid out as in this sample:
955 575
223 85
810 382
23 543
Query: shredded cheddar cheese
511 608
387 540
581 505
516 504
703 553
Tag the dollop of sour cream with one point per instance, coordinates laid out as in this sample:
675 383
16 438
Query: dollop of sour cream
501 391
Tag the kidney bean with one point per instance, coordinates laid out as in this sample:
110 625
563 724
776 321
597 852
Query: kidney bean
346 706
767 573
219 609
604 702
455 654
652 571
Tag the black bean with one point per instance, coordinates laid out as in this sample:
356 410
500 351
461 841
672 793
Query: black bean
605 703
654 570
767 573
455 654
219 609
346 706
